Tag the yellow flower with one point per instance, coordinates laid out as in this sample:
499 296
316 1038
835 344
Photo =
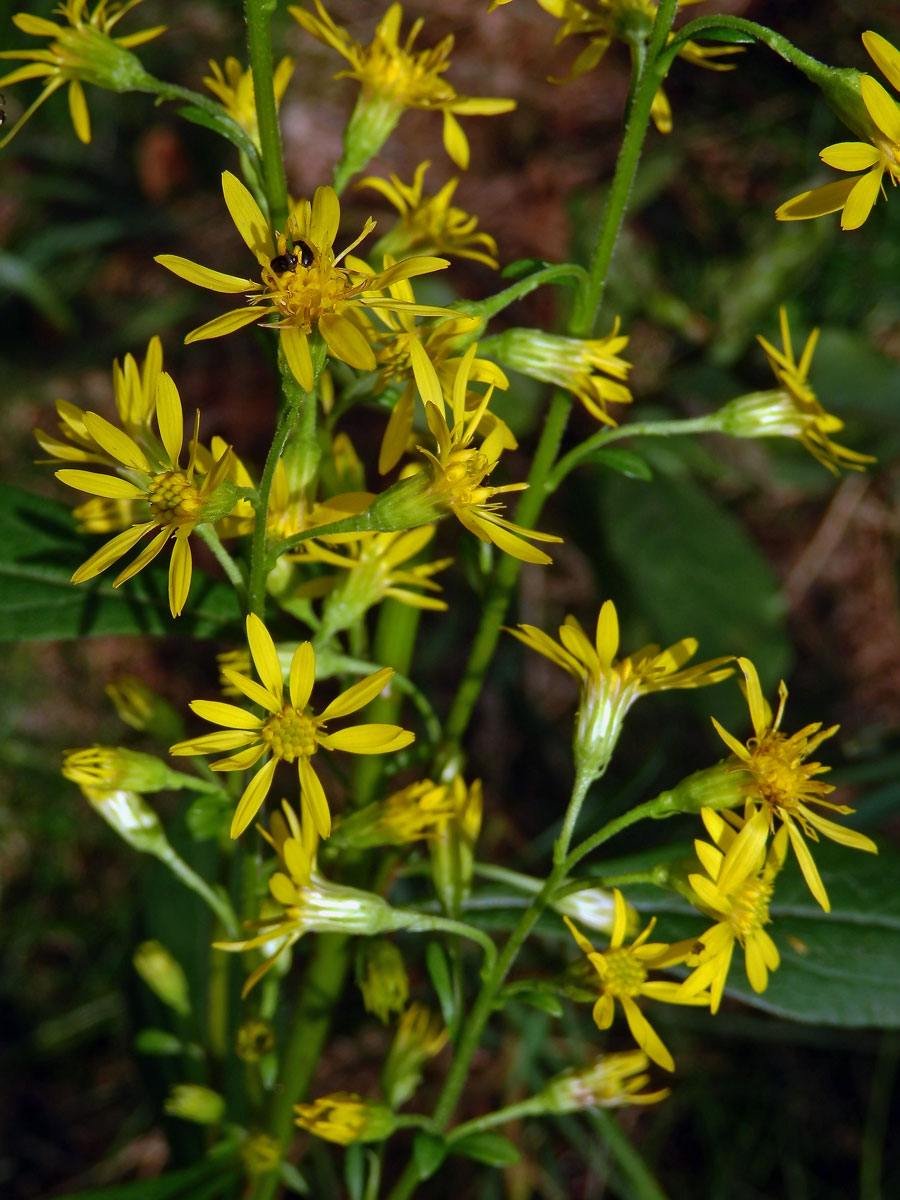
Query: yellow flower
427 357
81 51
783 783
623 971
345 1117
171 495
609 686
610 1081
134 390
735 890
430 224
304 286
401 77
793 410
590 368
371 568
854 198
305 902
456 471
234 87
628 21
288 731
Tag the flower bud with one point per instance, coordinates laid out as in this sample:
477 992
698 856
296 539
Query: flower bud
716 787
260 1153
163 974
254 1039
141 708
771 414
420 1036
840 87
452 846
345 1117
415 812
381 977
111 768
610 1081
192 1102
594 908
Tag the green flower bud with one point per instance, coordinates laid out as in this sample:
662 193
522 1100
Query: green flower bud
141 708
345 1117
163 974
610 1081
381 978
260 1153
191 1102
254 1039
112 768
420 1036
715 787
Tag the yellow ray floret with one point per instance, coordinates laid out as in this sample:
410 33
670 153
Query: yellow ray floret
288 730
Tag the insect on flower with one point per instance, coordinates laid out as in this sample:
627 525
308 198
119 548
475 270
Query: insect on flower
289 261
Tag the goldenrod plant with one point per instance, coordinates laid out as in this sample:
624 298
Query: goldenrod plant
380 896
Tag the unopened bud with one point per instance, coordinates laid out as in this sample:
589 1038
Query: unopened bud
192 1102
345 1117
610 1081
163 974
381 976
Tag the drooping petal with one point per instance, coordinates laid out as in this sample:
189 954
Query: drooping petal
78 110
314 796
455 142
254 794
816 203
646 1036
180 569
347 342
861 199
808 866
296 351
111 552
145 557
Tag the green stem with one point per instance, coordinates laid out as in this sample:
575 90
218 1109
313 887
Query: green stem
532 1107
642 1185
652 808
259 15
649 77
189 877
428 922
256 592
677 428
208 534
236 135
583 780
309 1026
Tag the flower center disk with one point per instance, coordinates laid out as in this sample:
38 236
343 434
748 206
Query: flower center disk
290 734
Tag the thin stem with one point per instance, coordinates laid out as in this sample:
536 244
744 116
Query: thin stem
583 780
236 135
677 428
256 592
208 534
462 930
309 1026
219 904
650 809
648 80
259 15
642 1184
532 1107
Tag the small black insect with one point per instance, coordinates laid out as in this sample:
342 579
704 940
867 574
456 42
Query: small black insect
284 262
289 262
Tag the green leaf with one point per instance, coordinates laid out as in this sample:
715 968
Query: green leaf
693 570
203 1181
292 1179
39 550
439 972
840 968
223 125
355 1171
625 462
429 1151
157 1041
490 1148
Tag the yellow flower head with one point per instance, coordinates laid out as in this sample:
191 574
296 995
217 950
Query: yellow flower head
456 471
793 409
288 731
305 902
855 198
80 51
735 890
628 21
234 87
430 224
345 1117
149 473
622 972
304 286
783 783
590 368
609 686
401 77
370 568
610 1081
